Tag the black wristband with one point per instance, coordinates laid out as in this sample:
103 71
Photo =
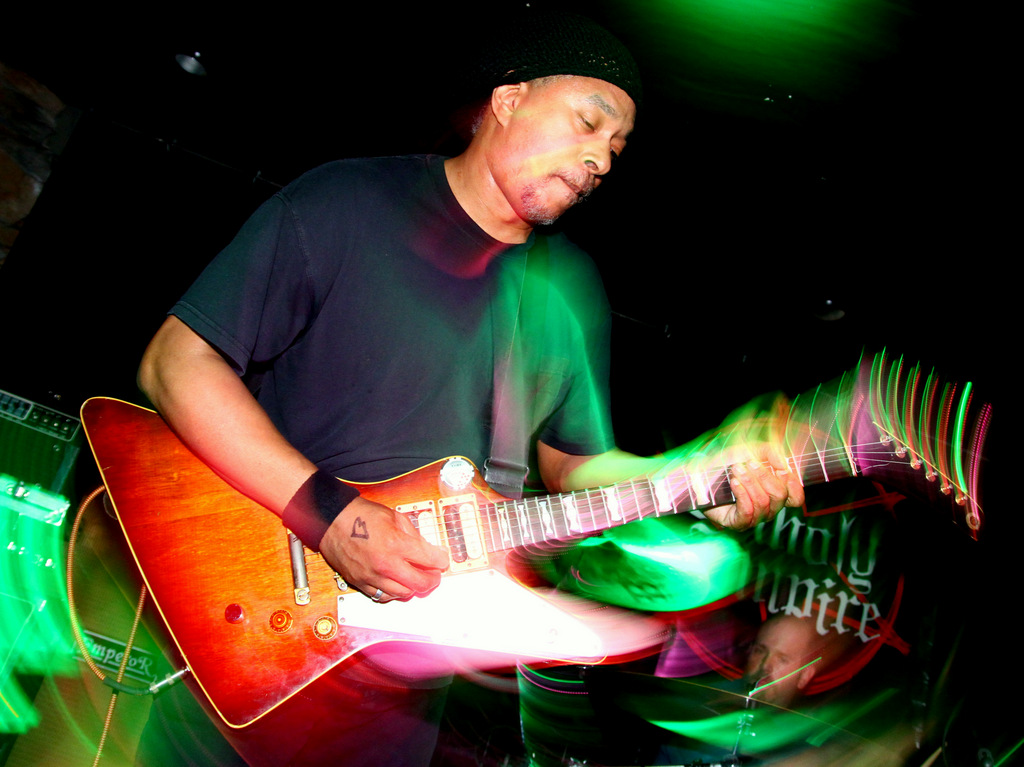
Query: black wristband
315 505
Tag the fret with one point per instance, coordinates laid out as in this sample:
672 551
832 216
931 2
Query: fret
720 493
588 516
505 526
534 519
542 521
700 492
572 516
650 500
487 519
597 515
514 530
608 519
559 527
496 531
647 500
547 525
664 502
638 505
525 530
821 463
558 512
611 504
528 518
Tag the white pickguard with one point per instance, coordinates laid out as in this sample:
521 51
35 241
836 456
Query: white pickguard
485 610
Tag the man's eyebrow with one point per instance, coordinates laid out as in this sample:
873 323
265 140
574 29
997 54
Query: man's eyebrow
597 100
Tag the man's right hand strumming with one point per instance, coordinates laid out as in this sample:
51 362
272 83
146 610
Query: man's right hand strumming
376 548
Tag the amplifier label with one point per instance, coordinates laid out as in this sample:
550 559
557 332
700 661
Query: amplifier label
108 653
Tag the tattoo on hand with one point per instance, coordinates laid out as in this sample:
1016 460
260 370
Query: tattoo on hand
359 529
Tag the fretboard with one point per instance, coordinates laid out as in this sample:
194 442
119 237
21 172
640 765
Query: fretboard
539 520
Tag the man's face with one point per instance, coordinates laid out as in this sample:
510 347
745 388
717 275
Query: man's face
784 645
559 140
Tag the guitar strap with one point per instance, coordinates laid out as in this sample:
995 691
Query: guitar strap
506 469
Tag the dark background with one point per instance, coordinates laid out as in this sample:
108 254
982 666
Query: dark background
779 163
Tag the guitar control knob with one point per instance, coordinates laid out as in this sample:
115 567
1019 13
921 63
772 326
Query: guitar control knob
234 613
281 621
325 628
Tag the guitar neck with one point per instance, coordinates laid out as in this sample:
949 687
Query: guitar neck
540 520
545 519
885 420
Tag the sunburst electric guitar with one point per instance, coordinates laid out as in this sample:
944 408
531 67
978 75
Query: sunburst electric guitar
257 617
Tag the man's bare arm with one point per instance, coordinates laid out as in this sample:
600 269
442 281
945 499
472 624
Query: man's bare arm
209 407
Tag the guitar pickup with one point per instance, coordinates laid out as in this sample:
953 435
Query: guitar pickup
463 532
453 524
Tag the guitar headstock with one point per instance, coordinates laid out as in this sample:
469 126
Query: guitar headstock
932 429
891 421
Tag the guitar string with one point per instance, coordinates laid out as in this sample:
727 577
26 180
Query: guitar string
519 527
493 523
515 524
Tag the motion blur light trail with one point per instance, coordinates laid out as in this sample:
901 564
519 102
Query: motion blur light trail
782 51
34 617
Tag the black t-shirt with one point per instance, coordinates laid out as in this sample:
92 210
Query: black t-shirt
372 357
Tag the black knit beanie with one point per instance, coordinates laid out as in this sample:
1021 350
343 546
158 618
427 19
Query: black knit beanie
541 44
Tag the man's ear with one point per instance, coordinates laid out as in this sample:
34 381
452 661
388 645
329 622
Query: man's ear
505 100
805 677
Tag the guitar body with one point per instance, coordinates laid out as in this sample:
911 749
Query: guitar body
257 617
220 570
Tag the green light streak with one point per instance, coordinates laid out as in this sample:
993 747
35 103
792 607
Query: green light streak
1010 753
910 429
875 399
35 620
766 55
958 438
892 394
660 565
34 614
854 714
756 690
72 720
845 384
770 728
554 679
924 424
16 712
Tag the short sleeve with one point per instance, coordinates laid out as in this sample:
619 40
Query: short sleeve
255 298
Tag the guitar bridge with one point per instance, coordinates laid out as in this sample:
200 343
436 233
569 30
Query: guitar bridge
300 579
423 515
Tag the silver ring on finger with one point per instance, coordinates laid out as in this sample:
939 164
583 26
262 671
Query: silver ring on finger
376 597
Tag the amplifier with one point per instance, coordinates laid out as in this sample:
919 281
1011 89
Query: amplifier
38 450
38 445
